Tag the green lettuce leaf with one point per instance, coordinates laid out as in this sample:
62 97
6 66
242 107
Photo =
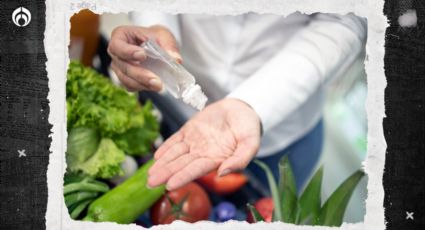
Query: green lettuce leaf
104 163
138 140
82 144
94 102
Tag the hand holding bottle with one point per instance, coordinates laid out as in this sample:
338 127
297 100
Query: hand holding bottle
126 53
224 135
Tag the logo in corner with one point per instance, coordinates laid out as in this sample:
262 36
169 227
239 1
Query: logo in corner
21 16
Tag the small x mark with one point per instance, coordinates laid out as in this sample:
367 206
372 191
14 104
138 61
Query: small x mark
409 215
22 153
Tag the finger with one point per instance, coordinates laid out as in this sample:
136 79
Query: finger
120 47
167 41
129 83
171 154
175 138
139 74
191 172
244 153
163 174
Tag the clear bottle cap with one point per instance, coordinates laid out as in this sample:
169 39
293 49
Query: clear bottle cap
194 96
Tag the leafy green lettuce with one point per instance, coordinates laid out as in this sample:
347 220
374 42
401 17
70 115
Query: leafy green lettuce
94 102
88 155
105 122
104 163
82 143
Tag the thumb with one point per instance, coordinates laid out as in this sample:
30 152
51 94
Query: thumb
243 154
167 41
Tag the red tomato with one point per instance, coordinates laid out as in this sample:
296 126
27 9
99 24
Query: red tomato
227 184
189 203
265 207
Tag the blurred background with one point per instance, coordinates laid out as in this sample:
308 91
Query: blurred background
345 119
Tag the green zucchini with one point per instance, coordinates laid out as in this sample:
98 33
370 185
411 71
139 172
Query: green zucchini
126 202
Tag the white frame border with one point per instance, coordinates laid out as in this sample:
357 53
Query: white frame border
56 42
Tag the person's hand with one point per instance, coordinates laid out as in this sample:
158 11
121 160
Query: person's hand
126 53
225 135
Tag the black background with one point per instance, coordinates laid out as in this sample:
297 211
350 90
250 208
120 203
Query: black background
23 118
24 113
404 125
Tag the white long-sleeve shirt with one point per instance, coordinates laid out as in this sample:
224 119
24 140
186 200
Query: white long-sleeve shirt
279 66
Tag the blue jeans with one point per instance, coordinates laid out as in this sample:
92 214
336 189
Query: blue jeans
303 156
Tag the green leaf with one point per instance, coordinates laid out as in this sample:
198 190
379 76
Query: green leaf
310 200
104 163
277 211
151 122
254 213
72 178
136 141
93 101
82 143
332 212
306 221
115 120
287 190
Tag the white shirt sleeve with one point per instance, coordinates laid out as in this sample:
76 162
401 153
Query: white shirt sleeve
147 19
318 52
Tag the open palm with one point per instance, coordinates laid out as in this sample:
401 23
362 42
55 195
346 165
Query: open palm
225 135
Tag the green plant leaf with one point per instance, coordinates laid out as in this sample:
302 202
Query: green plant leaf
298 213
332 212
277 211
288 191
256 216
306 221
82 143
104 163
310 199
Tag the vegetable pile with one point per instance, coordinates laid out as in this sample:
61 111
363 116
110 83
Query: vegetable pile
105 122
106 125
80 191
108 129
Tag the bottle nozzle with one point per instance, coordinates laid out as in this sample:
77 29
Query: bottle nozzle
177 80
195 97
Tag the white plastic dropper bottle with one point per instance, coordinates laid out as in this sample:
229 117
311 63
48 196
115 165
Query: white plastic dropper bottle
177 80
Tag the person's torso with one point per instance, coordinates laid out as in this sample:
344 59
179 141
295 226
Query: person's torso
223 51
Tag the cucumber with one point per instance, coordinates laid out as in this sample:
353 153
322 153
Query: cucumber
126 202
